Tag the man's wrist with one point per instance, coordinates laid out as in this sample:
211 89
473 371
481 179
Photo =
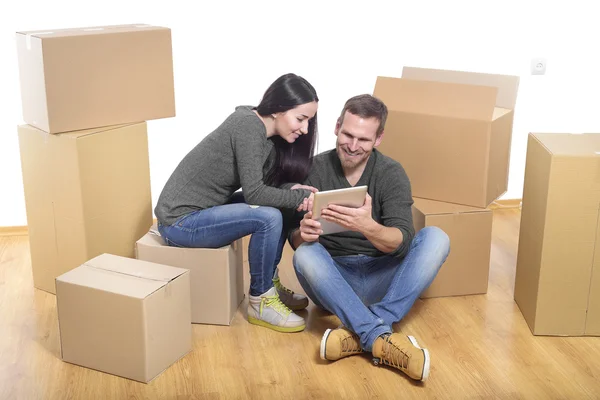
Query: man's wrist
371 228
295 238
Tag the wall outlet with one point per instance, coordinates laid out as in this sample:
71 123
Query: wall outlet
538 66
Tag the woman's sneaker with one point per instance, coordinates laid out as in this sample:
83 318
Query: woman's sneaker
267 310
339 343
294 301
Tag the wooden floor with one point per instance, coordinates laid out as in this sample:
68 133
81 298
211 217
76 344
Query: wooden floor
480 345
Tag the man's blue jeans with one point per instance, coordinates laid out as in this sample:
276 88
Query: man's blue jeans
369 294
221 225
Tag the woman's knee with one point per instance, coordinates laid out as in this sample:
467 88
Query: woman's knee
270 218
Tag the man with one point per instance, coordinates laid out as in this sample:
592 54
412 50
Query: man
370 275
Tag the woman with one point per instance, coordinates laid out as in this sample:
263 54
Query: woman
264 150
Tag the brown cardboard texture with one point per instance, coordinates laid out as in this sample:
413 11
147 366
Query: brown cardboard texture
451 131
73 79
466 269
86 193
216 275
557 281
124 316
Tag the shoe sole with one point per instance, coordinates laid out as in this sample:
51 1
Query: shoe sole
323 344
284 329
425 354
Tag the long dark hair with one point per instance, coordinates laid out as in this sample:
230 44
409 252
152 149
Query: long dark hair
293 160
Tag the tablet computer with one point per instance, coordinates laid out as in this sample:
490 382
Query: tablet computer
348 197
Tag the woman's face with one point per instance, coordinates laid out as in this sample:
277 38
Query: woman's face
294 122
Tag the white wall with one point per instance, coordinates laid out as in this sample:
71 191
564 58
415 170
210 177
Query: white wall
227 53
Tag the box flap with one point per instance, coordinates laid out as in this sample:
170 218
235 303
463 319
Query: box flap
437 98
432 207
110 281
122 275
136 268
507 85
567 144
84 132
152 239
500 112
91 30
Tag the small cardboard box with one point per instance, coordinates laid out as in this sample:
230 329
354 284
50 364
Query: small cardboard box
124 316
217 276
467 267
557 281
73 79
86 193
451 131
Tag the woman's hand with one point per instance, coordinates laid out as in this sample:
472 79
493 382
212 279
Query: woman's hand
299 186
307 203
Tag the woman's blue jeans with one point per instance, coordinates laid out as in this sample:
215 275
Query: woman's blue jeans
221 225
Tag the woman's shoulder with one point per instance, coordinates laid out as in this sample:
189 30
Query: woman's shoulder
245 117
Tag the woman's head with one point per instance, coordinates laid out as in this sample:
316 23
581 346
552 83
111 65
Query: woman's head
292 103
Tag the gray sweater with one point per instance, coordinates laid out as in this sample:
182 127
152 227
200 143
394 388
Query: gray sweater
390 189
234 155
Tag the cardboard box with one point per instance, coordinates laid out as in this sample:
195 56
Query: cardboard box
557 282
124 316
217 276
467 267
86 193
451 131
73 79
245 244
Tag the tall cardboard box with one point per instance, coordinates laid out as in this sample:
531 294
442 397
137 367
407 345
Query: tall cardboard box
86 193
451 131
73 79
467 267
557 282
124 316
217 276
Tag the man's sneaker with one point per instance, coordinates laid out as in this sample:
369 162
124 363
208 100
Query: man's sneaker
339 343
267 310
403 353
293 301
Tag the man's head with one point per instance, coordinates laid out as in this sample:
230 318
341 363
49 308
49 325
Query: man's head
359 129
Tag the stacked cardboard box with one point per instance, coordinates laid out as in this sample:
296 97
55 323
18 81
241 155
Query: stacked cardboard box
86 95
557 282
451 131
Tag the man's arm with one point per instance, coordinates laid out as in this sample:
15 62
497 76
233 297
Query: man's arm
385 239
295 238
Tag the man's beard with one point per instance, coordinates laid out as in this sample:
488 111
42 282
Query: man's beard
348 161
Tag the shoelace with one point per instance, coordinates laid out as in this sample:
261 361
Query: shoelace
350 344
280 287
393 355
275 303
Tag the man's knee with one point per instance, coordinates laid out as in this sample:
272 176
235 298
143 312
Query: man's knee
305 260
437 239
